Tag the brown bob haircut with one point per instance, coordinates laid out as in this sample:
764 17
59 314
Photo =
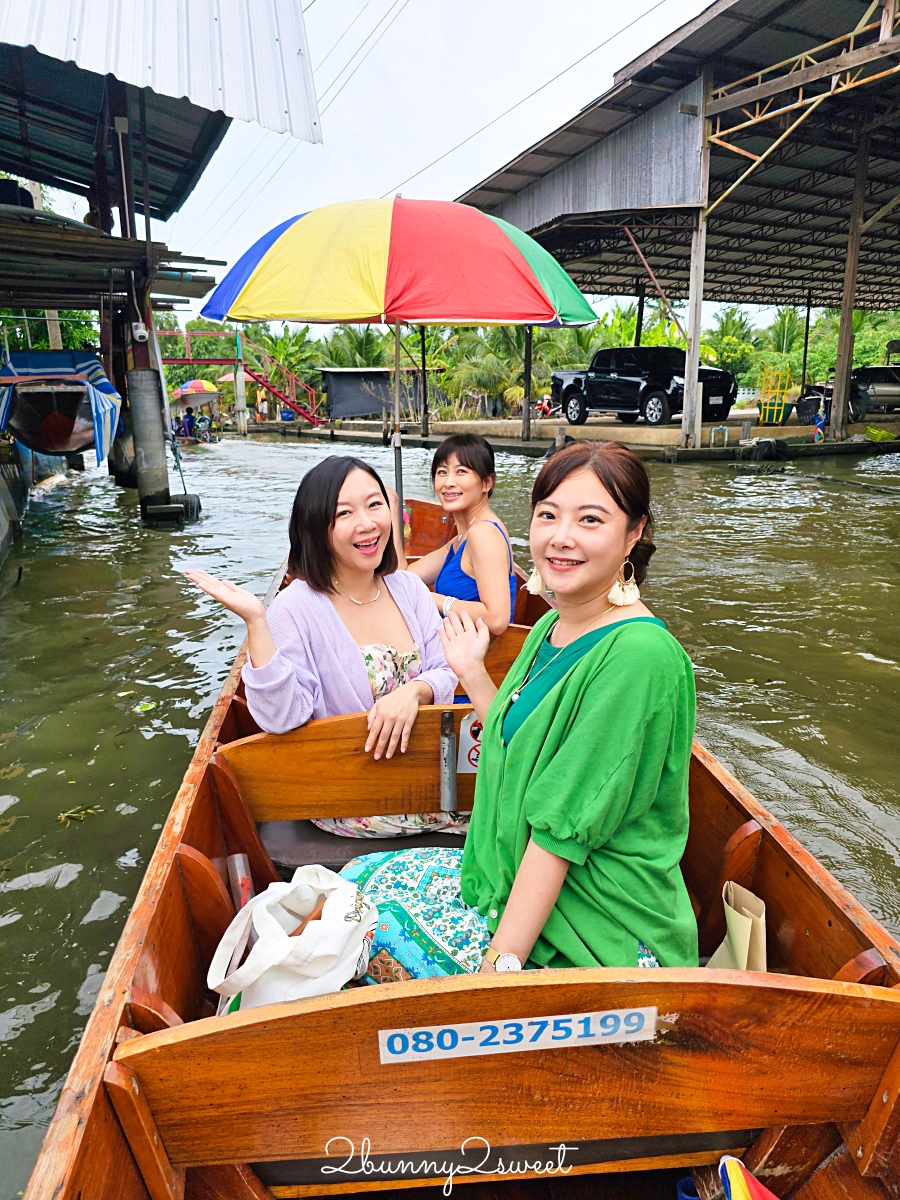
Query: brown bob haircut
622 474
312 519
472 451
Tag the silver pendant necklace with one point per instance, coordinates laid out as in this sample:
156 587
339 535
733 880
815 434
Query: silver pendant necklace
530 679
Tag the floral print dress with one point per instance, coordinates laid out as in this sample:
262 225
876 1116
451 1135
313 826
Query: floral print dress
388 669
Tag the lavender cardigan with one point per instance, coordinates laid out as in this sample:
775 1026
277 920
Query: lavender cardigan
318 670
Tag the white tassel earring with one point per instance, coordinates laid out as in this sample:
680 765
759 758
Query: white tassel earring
535 583
624 591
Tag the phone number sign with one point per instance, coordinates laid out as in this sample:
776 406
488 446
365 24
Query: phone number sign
426 1042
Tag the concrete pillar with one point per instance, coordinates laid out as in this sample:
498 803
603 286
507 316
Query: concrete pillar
844 364
692 412
149 436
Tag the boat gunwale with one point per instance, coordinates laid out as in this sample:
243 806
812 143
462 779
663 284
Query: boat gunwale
64 1141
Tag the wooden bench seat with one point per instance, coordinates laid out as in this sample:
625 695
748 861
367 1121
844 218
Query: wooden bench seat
293 844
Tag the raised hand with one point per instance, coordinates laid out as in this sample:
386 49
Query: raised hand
237 600
260 643
465 643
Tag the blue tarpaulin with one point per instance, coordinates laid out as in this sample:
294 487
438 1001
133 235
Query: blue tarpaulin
105 401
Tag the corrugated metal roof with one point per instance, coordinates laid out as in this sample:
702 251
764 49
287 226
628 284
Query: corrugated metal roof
782 234
246 58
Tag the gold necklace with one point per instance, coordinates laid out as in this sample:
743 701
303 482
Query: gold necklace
530 679
361 602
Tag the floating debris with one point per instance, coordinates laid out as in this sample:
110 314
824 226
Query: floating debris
762 468
78 813
147 706
11 772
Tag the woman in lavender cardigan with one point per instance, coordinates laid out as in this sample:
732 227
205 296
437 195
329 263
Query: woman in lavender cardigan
349 634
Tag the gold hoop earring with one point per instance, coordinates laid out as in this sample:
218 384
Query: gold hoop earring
624 591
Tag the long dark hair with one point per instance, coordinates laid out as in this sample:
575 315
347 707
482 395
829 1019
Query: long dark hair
312 520
622 474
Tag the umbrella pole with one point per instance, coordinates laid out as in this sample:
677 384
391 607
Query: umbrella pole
396 439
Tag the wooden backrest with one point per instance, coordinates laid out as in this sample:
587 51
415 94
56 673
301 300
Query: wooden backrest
295 1075
429 527
322 770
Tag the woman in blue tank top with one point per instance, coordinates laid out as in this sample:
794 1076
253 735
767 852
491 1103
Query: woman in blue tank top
474 573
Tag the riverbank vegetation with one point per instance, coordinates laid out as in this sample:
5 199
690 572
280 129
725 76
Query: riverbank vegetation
479 372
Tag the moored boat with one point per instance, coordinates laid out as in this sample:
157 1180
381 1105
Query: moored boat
795 1070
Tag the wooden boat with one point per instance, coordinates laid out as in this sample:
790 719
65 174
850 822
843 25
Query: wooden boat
798 1070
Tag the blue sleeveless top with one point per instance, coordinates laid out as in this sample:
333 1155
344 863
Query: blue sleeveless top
453 581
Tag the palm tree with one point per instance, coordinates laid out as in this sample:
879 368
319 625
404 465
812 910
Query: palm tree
786 330
357 346
734 322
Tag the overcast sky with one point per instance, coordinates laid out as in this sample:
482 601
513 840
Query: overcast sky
441 70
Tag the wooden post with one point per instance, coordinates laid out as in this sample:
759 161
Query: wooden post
396 437
841 392
526 398
240 391
639 324
117 96
806 340
692 412
145 178
101 179
424 385
52 315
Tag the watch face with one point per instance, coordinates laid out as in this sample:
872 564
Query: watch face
507 962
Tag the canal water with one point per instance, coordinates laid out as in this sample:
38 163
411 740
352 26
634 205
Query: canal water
782 587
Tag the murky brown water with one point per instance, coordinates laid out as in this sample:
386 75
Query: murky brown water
783 589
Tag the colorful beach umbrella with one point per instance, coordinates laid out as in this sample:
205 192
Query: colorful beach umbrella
411 262
195 386
739 1184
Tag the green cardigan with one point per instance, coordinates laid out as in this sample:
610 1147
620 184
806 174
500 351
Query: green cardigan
597 774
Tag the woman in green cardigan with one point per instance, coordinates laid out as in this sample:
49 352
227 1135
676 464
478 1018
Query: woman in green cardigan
580 816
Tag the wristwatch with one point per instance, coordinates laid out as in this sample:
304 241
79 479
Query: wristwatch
502 962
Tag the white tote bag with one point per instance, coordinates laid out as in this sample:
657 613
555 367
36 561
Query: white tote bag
322 958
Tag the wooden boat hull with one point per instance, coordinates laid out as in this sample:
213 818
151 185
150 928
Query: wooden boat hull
163 1100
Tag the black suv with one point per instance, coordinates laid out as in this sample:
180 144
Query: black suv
639 381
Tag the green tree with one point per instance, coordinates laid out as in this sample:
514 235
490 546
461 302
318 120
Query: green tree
358 346
79 330
734 321
786 330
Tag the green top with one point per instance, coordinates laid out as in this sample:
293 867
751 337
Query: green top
599 776
549 666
